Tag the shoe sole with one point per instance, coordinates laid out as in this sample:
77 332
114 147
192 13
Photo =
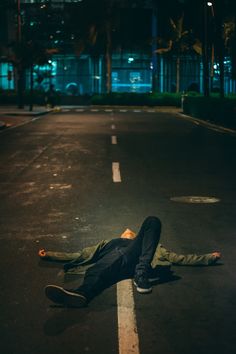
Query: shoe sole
59 295
142 290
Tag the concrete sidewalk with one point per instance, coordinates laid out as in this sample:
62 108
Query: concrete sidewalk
13 110
12 115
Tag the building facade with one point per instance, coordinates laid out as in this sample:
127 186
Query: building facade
78 66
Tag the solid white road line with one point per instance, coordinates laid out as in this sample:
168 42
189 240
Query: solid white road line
114 140
127 325
116 172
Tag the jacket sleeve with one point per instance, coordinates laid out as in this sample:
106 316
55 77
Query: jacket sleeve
187 259
60 256
81 256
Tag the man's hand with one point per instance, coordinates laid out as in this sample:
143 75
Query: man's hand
42 253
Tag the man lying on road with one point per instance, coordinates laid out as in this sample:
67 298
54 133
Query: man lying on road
130 256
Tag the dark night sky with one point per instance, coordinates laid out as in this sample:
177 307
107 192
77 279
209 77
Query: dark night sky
131 24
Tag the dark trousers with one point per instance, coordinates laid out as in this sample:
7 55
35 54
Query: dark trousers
122 258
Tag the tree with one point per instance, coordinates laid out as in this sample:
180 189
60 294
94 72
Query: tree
180 41
103 28
24 55
229 35
94 34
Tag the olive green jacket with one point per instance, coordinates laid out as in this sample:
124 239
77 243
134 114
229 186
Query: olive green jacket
79 261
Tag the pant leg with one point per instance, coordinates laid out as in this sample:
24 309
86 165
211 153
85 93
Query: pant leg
107 271
123 262
140 253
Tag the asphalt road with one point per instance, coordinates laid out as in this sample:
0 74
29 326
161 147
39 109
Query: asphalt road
57 192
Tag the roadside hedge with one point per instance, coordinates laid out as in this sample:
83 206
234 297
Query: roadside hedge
137 99
119 99
9 97
213 109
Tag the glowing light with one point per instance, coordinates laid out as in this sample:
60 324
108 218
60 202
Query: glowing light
130 59
209 3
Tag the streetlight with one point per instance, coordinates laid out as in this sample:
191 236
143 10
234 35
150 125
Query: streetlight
210 4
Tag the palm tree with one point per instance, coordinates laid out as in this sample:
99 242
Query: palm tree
229 35
104 29
95 36
180 41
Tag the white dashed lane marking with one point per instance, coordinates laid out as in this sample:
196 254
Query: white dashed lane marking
116 176
114 140
65 110
113 127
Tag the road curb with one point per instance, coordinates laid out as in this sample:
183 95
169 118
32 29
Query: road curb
207 124
27 114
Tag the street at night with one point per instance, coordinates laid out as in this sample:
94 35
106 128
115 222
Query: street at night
59 192
117 176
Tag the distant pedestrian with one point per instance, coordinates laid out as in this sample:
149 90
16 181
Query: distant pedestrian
51 96
130 256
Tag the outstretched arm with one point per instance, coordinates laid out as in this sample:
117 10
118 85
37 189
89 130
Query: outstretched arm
58 256
190 259
85 255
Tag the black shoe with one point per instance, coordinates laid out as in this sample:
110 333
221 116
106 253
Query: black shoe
153 275
142 283
153 278
69 298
